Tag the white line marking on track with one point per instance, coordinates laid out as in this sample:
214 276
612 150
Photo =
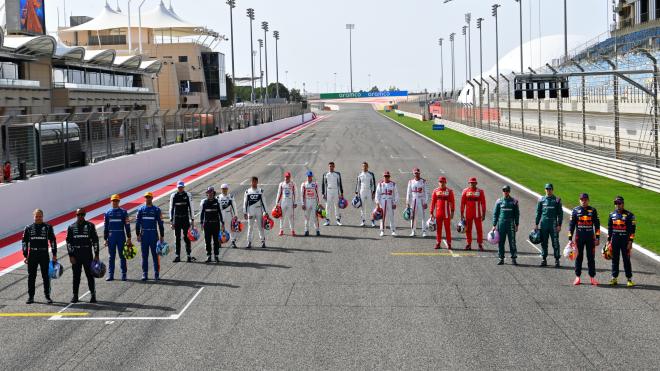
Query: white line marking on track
534 246
637 247
108 320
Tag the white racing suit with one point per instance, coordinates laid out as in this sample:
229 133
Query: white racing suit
286 198
417 196
387 196
332 189
254 207
228 208
310 200
366 188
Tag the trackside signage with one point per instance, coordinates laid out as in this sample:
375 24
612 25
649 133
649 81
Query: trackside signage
365 94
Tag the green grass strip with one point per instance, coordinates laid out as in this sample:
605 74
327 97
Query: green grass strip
533 172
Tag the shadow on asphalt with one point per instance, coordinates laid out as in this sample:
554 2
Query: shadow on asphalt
193 284
122 307
551 265
622 286
290 250
226 263
325 236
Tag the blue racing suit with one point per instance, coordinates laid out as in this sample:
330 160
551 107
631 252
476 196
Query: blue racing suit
148 219
115 231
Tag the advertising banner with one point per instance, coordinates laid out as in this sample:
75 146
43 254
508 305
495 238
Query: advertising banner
365 94
26 16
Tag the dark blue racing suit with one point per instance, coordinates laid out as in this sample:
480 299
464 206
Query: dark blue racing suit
148 219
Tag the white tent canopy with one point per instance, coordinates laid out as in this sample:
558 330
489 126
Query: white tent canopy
158 19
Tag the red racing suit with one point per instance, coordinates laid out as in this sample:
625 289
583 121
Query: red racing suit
473 210
443 204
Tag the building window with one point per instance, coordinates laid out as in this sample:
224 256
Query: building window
8 70
644 10
76 76
59 76
93 78
183 59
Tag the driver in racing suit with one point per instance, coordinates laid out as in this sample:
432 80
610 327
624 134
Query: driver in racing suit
310 200
332 190
116 232
417 198
286 199
442 210
366 189
254 210
228 207
473 210
387 196
182 219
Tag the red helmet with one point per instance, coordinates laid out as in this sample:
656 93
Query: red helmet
277 212
472 180
442 179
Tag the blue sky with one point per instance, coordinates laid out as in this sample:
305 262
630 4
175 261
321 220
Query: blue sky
396 42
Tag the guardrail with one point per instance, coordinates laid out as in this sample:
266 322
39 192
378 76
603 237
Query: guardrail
644 176
39 144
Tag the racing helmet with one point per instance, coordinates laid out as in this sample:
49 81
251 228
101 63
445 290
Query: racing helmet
193 234
276 212
535 236
460 226
607 251
98 268
342 203
267 223
129 251
55 270
569 251
224 236
356 202
493 237
162 248
321 212
407 213
377 214
430 224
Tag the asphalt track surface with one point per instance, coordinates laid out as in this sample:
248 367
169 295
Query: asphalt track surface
347 299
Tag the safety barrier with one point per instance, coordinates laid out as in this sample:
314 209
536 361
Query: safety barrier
63 191
644 176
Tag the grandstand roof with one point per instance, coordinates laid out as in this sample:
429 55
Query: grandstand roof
159 18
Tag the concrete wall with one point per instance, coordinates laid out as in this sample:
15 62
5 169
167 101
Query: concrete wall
62 192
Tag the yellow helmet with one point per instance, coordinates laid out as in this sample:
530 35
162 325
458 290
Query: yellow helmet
149 194
115 197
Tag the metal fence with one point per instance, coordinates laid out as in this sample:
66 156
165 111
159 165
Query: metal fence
40 144
611 109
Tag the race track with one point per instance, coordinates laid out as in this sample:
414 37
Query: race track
348 299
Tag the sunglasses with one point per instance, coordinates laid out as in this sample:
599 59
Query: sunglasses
618 202
81 214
